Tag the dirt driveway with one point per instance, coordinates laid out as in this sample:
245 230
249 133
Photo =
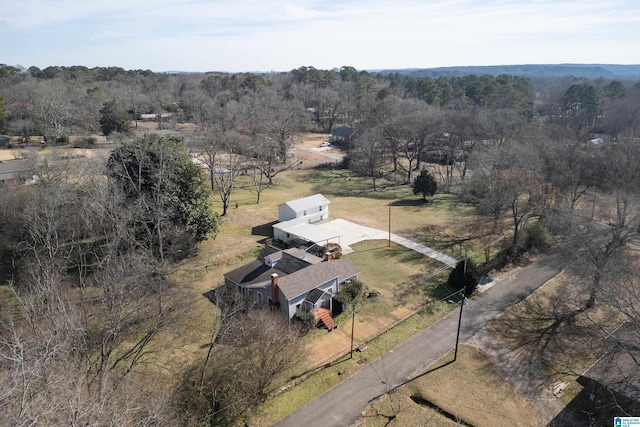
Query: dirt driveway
311 153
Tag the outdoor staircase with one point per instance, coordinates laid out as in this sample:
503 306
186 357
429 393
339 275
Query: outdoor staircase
324 315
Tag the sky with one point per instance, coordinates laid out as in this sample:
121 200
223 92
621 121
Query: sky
280 35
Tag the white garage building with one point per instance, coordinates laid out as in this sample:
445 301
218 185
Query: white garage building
296 219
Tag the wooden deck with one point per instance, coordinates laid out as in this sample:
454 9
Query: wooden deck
323 315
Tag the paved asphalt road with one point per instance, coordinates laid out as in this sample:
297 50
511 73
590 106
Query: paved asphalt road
343 404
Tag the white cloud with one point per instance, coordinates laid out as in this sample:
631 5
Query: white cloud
280 35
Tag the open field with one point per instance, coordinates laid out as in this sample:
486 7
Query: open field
470 389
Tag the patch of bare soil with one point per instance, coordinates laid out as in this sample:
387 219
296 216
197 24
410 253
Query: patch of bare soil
9 154
329 346
307 149
312 140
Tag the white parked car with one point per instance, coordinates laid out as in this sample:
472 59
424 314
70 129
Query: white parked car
325 144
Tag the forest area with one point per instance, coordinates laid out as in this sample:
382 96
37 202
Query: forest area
86 253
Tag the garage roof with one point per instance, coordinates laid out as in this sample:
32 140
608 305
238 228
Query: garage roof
308 232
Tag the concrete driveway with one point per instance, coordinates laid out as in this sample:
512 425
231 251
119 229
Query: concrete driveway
351 233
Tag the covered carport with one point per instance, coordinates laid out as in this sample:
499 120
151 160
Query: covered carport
308 232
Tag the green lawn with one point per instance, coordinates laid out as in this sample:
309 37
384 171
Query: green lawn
399 274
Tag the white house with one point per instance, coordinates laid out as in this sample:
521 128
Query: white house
295 216
306 209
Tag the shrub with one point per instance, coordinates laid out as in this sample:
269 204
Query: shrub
351 291
306 318
464 276
537 237
84 142
425 184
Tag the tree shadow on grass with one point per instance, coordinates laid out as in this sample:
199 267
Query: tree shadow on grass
438 238
583 411
406 255
395 252
344 183
444 365
444 290
424 402
411 203
419 284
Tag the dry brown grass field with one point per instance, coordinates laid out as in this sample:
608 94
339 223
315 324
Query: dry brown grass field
38 152
470 389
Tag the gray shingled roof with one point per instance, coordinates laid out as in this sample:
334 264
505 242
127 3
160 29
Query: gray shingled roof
290 264
302 254
258 272
269 250
344 132
311 277
254 272
14 169
314 296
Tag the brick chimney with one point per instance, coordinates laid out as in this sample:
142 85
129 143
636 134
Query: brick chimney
274 288
329 256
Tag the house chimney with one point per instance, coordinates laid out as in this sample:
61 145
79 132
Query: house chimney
329 256
274 288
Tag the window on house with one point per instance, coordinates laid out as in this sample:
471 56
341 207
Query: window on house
260 297
320 208
304 212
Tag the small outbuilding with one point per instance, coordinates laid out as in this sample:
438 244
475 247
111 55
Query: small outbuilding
296 219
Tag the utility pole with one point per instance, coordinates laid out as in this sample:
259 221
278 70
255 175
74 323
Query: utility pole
353 320
465 261
463 302
389 225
